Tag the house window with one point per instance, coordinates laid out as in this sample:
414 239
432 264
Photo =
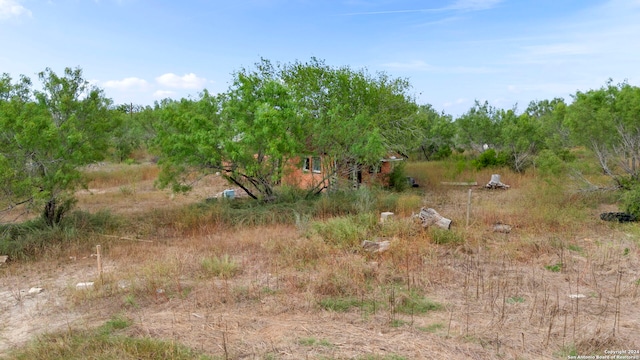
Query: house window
306 165
317 165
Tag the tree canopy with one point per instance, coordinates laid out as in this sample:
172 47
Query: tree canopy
274 113
47 135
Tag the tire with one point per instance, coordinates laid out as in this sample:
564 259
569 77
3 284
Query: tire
618 216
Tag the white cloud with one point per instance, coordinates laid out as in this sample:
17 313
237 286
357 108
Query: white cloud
459 5
127 84
416 65
456 102
12 8
419 65
163 94
187 81
473 5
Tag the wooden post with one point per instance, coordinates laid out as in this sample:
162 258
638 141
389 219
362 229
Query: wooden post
468 207
99 257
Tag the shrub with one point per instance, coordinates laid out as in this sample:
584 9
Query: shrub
398 178
631 200
30 239
549 164
490 158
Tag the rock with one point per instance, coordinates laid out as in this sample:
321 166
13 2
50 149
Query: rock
376 247
35 290
3 259
577 296
502 228
84 285
385 216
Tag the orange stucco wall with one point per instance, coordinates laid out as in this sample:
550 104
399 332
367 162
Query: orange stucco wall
295 175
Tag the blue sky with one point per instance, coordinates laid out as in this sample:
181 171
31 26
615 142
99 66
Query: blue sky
506 52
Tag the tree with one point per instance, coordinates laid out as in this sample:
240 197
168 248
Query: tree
606 121
47 135
248 134
352 117
135 131
520 137
437 133
478 127
273 114
549 116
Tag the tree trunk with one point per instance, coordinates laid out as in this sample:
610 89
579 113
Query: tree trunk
54 212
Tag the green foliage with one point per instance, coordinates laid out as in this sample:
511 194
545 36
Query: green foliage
515 300
437 133
47 135
135 130
433 328
490 159
554 268
631 200
112 325
398 178
413 302
549 164
606 121
273 113
520 137
314 342
478 126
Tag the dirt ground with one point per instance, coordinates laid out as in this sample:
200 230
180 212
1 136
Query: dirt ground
493 307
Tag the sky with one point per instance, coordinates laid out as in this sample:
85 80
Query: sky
453 52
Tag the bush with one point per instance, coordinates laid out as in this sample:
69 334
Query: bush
631 200
490 158
549 164
398 178
30 239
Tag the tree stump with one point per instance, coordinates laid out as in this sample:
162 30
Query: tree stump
495 183
431 217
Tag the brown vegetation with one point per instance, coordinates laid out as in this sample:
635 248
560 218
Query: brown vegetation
561 283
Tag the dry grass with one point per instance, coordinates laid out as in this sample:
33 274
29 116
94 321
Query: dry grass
560 283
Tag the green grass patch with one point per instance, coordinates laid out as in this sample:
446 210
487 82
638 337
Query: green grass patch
220 266
105 342
444 237
414 303
314 342
515 300
554 268
345 231
433 328
344 304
